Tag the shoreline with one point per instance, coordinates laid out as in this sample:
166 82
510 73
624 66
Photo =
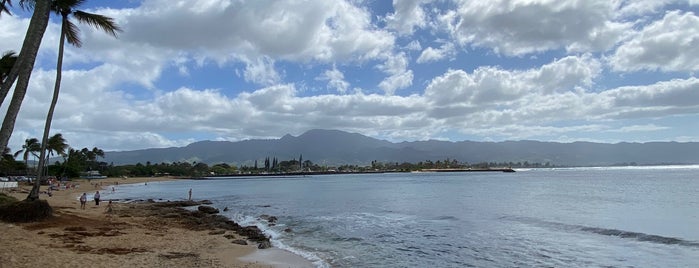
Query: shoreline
148 234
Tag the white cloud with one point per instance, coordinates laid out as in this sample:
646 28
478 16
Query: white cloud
493 85
414 45
261 71
431 54
517 27
297 31
399 75
670 44
407 16
336 80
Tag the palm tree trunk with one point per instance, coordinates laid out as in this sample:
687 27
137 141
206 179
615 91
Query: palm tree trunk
43 158
22 69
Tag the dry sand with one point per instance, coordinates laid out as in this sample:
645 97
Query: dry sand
126 238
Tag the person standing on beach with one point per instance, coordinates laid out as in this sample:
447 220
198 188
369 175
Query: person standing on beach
97 198
190 194
83 200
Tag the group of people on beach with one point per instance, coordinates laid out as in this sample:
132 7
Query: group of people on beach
96 197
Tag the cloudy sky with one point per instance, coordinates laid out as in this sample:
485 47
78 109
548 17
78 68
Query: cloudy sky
549 70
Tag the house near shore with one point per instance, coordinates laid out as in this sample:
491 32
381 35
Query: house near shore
92 174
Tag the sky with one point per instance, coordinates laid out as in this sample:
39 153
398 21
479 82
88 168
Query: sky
550 70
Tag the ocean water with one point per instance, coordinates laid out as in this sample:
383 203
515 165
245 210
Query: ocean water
577 217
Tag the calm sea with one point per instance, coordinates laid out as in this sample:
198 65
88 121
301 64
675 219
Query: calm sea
579 217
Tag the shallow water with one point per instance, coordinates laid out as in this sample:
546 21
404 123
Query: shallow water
592 217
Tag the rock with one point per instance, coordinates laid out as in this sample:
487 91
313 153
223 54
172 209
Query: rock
287 230
229 236
268 218
239 242
208 209
225 209
264 245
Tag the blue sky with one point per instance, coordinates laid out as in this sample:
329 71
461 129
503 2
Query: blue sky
551 70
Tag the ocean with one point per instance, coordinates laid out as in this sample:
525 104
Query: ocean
572 217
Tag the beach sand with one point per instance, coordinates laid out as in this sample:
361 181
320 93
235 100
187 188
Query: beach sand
128 237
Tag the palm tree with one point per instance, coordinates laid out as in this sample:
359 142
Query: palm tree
69 32
6 63
56 144
31 147
3 6
22 70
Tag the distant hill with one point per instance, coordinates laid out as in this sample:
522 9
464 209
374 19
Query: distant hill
333 147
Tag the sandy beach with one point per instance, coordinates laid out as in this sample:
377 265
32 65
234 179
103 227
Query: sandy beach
129 236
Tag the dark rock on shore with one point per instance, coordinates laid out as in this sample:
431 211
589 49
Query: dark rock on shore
264 245
194 220
208 209
268 218
239 242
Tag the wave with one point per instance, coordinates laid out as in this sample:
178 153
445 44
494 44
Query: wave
638 236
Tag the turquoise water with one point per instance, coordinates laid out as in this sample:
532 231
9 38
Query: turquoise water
583 217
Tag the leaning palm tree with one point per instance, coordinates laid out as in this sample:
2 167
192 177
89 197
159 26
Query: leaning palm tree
22 69
69 32
30 147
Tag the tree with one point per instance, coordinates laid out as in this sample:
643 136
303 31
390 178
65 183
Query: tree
69 32
6 63
4 4
55 144
30 147
22 69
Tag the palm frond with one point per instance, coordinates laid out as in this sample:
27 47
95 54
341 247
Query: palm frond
27 4
4 4
72 33
101 22
6 63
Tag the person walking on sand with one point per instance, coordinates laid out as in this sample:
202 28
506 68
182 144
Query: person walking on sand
83 200
97 198
190 194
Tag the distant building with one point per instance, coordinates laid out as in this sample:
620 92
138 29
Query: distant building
92 174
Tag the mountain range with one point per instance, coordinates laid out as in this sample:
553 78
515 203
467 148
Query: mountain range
334 147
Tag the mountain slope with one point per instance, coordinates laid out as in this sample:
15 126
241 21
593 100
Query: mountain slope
333 147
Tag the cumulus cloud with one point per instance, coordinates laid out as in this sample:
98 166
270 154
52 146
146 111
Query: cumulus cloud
399 75
261 71
435 54
670 44
336 79
407 16
520 27
297 31
495 85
